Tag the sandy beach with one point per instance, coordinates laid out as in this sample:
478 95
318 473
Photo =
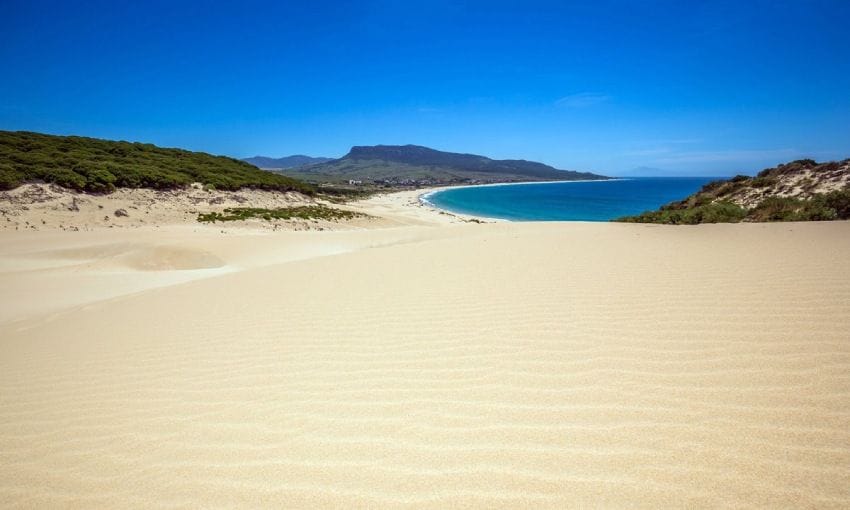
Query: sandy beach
420 360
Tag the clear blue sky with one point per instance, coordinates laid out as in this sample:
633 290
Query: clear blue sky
688 87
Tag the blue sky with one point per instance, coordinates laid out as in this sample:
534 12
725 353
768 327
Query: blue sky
686 87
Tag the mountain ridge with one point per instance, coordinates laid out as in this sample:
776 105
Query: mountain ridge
419 165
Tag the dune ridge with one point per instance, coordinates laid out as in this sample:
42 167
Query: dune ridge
501 365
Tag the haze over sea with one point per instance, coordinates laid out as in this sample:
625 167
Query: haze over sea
567 201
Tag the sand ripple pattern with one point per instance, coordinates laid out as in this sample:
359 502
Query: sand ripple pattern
511 366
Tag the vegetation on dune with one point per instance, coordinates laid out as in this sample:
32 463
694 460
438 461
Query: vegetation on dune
306 212
710 213
822 207
343 194
100 166
795 191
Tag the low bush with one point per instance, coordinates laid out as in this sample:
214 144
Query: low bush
823 207
794 209
93 165
306 212
838 201
762 182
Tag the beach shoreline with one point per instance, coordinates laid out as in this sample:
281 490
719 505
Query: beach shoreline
421 359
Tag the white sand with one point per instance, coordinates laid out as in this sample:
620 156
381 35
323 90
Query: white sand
47 207
427 363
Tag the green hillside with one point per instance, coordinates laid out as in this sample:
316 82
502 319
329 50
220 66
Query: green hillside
802 190
100 166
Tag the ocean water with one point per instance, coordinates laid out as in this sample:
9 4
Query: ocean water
567 201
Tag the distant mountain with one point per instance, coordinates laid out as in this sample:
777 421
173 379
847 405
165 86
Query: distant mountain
801 190
416 165
284 162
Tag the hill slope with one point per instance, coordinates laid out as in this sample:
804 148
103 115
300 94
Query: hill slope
798 191
285 162
94 165
412 164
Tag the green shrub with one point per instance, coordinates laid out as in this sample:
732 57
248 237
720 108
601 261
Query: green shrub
762 182
804 162
838 201
823 207
712 186
775 209
63 177
9 178
98 180
89 164
780 209
306 212
719 212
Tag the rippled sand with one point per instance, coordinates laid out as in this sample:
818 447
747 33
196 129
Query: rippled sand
500 365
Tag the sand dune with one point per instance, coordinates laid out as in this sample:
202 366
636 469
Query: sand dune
501 365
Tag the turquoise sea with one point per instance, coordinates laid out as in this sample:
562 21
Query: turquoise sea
567 201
